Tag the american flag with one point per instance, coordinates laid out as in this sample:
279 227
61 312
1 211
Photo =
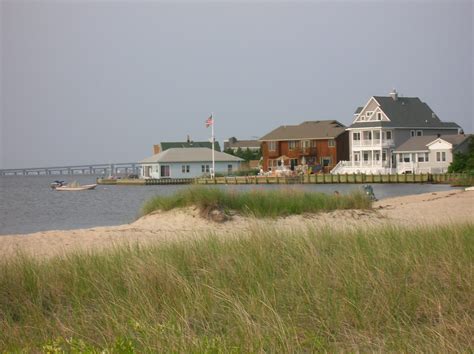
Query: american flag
209 122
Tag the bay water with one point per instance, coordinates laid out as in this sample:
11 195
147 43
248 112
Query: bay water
28 204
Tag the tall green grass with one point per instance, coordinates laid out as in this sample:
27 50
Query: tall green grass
258 203
314 290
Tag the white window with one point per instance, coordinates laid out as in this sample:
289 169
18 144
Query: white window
412 133
427 157
377 156
376 134
204 168
292 145
272 146
368 114
305 144
379 116
367 135
443 156
331 143
406 157
421 157
355 136
185 168
384 156
389 135
419 133
229 168
362 118
326 161
366 156
356 156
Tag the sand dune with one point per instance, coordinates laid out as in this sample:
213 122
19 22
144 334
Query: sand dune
179 225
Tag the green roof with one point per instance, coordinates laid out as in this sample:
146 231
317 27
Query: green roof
191 144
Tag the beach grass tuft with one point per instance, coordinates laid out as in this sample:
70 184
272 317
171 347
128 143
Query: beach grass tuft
258 203
387 289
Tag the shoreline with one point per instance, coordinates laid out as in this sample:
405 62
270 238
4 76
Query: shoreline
428 209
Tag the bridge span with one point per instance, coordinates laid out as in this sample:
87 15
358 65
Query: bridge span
112 169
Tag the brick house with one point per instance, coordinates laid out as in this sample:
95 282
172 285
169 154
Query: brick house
318 144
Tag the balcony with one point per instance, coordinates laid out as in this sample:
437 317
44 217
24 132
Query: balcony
371 142
306 151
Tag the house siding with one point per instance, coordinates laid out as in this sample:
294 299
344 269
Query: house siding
318 149
195 169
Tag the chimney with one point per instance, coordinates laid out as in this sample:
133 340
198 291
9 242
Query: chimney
188 139
156 149
394 95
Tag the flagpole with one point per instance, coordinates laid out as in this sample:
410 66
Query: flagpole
213 174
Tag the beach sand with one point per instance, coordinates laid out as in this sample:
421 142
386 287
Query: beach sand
179 225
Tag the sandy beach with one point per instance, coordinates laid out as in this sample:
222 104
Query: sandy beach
179 225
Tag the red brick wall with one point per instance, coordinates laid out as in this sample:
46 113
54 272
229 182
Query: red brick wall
337 153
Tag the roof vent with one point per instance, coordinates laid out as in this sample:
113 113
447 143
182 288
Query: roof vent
394 95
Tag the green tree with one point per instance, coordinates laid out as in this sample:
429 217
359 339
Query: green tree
463 162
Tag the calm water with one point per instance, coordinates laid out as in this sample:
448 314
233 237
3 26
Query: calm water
27 204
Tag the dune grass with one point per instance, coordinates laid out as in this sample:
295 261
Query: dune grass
313 290
258 203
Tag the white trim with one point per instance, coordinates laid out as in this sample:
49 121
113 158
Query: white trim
362 110
391 127
439 140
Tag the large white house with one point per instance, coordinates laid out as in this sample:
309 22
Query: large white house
384 124
187 163
429 154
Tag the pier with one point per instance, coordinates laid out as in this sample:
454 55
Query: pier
111 169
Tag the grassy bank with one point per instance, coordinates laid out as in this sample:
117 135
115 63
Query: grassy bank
258 203
314 290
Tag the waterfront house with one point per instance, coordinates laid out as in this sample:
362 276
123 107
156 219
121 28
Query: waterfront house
234 144
157 148
429 154
190 162
383 125
317 144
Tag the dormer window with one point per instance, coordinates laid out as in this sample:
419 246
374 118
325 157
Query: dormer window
368 114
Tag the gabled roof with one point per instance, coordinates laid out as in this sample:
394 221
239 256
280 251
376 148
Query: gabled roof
406 112
185 144
242 144
190 155
420 143
358 110
318 129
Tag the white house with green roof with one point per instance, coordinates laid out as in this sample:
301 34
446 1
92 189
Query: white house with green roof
382 125
187 162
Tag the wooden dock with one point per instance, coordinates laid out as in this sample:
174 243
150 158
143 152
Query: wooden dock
304 179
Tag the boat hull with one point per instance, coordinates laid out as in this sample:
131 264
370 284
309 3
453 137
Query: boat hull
79 188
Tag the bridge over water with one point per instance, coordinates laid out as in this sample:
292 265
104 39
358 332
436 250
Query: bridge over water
120 168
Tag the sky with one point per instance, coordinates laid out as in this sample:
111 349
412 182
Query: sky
102 81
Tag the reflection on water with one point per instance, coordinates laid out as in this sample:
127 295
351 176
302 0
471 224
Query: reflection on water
27 204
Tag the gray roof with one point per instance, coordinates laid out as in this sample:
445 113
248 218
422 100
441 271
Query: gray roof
407 112
318 129
243 144
190 155
188 144
358 110
419 143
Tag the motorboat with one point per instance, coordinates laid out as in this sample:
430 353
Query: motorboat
78 188
74 186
